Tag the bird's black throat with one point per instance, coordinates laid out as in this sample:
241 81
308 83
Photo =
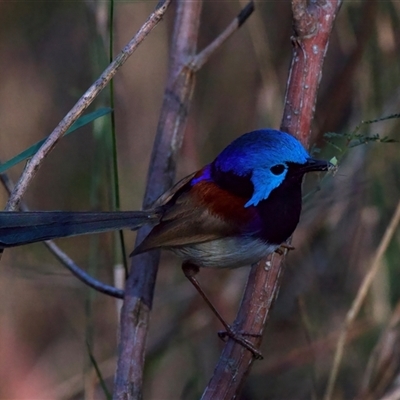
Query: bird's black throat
280 212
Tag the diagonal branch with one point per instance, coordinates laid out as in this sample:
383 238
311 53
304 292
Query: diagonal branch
200 59
65 259
313 25
83 103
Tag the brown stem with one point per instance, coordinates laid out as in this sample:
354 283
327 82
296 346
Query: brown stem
313 25
309 49
140 284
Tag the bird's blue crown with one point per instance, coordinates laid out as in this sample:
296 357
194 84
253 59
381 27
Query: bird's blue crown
263 156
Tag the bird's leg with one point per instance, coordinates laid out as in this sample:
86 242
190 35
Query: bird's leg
284 246
190 270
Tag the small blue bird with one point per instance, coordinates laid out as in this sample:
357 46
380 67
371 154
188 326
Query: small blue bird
231 213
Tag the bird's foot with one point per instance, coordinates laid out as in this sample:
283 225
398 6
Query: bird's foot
239 338
283 248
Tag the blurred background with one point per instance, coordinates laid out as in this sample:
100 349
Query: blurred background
50 54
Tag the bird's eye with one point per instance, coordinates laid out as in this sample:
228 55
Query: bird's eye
278 169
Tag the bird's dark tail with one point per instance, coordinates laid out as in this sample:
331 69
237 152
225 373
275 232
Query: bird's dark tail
18 228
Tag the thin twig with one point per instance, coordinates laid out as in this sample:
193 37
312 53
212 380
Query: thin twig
63 257
81 274
359 300
200 59
34 164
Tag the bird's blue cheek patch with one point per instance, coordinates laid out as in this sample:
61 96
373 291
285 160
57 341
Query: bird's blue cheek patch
264 183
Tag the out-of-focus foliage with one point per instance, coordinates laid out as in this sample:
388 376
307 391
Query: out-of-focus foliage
30 151
51 52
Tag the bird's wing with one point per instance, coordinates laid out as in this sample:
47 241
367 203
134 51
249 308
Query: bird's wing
170 193
198 213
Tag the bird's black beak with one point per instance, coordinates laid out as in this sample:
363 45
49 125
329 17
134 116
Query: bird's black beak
316 165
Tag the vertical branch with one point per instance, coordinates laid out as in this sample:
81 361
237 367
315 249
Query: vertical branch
140 285
141 281
313 24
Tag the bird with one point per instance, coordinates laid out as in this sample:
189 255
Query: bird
231 213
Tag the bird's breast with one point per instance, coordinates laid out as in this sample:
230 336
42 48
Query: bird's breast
229 252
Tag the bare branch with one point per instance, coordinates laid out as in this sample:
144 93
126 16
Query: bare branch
140 284
205 54
63 257
81 274
309 48
83 103
235 360
177 97
305 22
263 283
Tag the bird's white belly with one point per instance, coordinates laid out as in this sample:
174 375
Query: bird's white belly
230 252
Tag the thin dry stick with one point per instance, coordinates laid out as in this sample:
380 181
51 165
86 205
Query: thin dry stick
63 257
200 59
141 281
83 103
359 300
313 25
382 369
81 274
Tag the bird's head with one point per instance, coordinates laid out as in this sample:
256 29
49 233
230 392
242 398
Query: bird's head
266 157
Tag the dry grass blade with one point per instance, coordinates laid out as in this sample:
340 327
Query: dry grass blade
384 363
359 300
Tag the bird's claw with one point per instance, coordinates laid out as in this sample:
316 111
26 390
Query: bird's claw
239 338
283 248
